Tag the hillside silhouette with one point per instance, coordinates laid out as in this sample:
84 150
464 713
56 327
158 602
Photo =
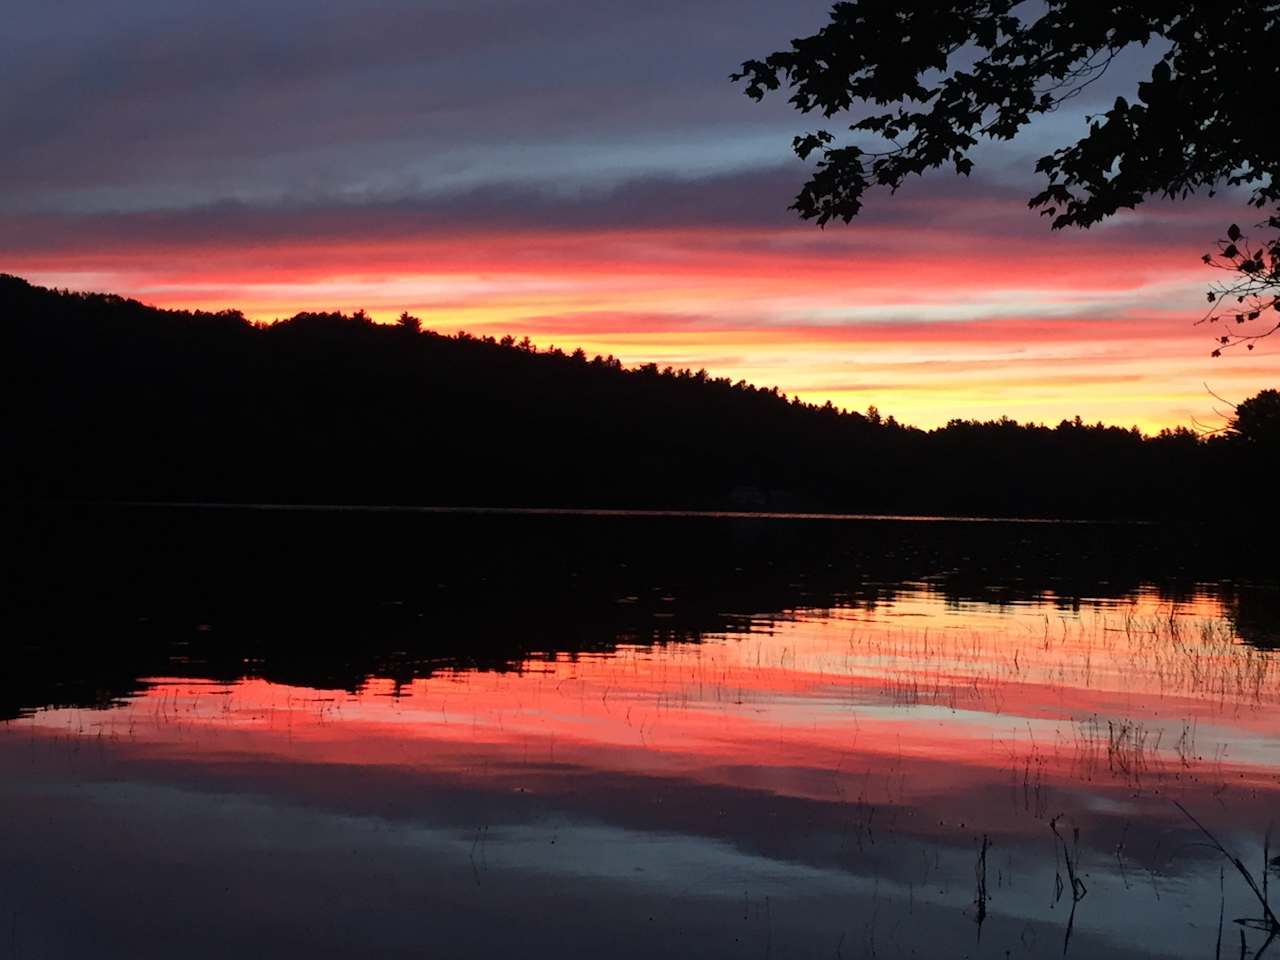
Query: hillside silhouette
112 400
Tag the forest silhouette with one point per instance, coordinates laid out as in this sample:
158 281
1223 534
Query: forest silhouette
112 400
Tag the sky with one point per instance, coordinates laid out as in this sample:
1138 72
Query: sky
581 172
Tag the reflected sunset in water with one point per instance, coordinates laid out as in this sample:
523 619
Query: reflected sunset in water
857 754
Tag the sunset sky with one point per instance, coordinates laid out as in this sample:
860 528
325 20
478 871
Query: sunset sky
581 172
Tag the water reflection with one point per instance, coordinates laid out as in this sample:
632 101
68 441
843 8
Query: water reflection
902 770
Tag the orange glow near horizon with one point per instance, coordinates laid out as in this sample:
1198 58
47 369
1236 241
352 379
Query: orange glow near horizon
921 327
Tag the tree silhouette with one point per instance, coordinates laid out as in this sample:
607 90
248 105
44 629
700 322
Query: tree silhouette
1257 420
108 399
1251 291
934 79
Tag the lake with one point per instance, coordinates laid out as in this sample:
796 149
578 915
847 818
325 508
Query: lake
336 733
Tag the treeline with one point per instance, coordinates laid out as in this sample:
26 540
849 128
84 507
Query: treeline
110 399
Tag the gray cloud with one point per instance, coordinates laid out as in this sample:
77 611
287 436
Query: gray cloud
182 122
146 103
943 215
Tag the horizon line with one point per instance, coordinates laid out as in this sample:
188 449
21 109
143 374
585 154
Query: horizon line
618 512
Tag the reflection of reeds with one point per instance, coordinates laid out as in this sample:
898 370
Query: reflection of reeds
1169 655
980 875
1130 747
1034 794
1070 855
1197 662
1267 923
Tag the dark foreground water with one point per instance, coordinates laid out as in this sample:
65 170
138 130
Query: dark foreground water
330 735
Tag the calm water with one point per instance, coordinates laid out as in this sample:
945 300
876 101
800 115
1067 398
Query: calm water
805 761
